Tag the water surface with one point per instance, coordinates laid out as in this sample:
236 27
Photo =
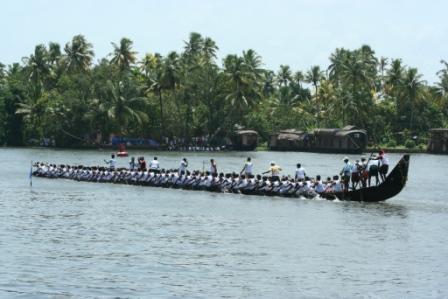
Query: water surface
66 239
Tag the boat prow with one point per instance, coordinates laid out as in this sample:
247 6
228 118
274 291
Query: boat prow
394 183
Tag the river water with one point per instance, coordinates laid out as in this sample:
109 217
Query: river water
66 239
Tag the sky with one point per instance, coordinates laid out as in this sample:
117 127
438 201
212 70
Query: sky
299 33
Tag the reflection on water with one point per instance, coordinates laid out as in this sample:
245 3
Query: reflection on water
385 209
70 239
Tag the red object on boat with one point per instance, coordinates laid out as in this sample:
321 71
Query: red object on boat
122 150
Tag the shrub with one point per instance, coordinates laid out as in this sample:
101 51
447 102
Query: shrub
392 143
409 143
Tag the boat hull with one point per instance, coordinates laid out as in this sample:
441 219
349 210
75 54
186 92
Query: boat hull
394 183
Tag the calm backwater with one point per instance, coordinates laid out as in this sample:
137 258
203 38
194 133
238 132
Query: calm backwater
66 239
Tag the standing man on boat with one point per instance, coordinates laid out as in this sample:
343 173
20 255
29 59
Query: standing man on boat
132 164
111 162
346 173
213 167
154 165
300 173
384 164
364 171
183 166
247 168
275 171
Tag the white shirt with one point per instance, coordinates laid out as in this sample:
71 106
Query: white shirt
319 187
337 187
112 163
183 166
248 168
154 164
384 160
300 173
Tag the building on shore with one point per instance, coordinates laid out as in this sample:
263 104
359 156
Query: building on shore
245 140
346 140
289 140
438 141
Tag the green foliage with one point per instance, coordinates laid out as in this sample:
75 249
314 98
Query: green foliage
409 144
60 93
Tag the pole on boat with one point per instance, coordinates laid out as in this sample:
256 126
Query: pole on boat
31 174
203 166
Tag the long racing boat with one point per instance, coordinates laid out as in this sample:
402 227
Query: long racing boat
391 186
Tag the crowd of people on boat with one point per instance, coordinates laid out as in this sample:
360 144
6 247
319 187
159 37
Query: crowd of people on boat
269 182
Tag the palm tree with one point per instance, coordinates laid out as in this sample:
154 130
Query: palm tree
37 69
209 50
413 88
284 75
194 45
337 60
245 87
394 76
313 76
123 108
155 83
442 86
78 54
54 53
149 63
123 56
252 63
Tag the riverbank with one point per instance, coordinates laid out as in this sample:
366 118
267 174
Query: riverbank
260 148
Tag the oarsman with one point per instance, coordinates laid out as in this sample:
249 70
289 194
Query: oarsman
111 162
141 163
300 173
346 173
384 164
364 172
154 166
373 166
132 164
183 165
318 185
337 185
213 167
356 170
247 168
275 171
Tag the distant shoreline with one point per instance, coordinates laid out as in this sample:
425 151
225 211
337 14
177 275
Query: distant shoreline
398 150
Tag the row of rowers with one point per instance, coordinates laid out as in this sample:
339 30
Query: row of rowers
209 180
359 173
196 180
247 170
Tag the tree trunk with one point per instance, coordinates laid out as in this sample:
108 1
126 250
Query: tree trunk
161 116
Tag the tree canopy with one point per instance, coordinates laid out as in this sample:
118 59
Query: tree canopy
65 95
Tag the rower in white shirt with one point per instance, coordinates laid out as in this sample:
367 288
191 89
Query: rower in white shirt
300 173
154 165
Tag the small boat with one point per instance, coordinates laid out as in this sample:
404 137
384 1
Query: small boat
394 183
122 150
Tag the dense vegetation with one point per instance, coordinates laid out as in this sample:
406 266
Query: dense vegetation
61 93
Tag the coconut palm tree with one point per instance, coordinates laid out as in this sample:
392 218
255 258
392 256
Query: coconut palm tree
37 69
413 90
442 86
123 108
194 45
123 56
78 54
313 76
394 76
209 50
284 75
